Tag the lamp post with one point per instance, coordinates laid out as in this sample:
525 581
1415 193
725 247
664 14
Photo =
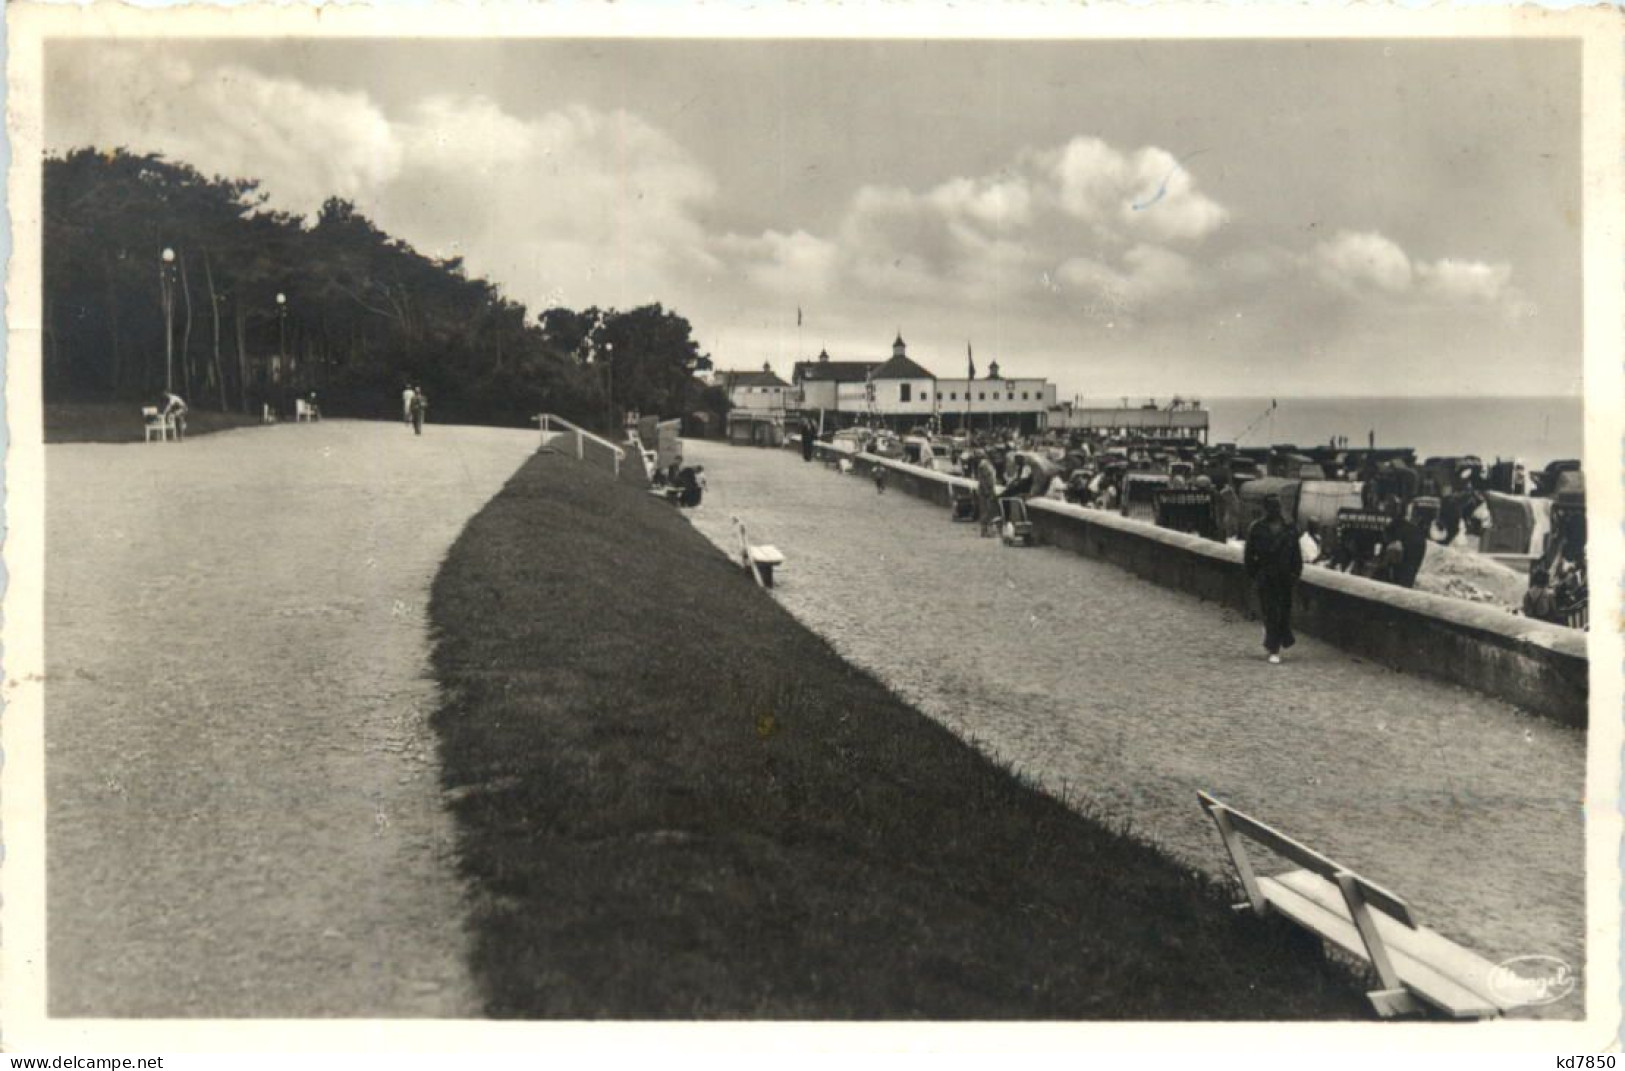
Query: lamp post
282 335
166 284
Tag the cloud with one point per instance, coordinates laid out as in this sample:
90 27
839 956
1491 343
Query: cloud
1465 280
1065 223
1146 193
1358 260
1145 273
1116 255
589 206
790 264
576 204
305 143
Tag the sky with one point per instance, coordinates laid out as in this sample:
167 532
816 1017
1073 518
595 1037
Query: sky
1127 218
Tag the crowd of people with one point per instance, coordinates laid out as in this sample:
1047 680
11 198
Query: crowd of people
1394 510
683 484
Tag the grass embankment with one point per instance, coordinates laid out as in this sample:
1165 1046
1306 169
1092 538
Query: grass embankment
676 801
120 422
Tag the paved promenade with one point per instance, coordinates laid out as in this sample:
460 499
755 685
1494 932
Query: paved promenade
1129 697
244 803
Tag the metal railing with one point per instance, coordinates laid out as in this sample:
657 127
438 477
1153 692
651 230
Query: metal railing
547 422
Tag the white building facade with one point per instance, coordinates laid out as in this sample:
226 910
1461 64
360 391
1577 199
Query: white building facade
902 394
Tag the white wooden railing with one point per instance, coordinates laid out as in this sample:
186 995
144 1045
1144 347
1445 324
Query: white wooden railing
549 431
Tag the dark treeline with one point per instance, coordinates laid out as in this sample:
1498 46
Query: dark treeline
363 312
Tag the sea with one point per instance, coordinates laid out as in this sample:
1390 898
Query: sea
1533 430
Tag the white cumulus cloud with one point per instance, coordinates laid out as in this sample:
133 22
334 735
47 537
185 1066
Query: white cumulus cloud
1465 280
1356 259
305 143
1146 193
1070 221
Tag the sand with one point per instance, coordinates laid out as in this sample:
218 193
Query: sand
1464 574
244 813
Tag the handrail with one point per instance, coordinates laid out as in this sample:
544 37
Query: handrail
636 440
546 419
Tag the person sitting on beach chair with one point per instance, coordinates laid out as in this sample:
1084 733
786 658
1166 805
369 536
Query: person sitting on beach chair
1018 528
689 491
173 409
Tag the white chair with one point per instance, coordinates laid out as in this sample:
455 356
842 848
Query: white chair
155 423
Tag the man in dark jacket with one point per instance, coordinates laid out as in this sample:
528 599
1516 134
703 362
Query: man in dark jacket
1274 563
1413 543
689 490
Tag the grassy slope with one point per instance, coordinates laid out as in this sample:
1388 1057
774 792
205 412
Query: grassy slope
675 801
120 422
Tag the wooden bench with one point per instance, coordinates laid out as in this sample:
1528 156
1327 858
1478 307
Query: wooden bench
1414 965
155 423
759 559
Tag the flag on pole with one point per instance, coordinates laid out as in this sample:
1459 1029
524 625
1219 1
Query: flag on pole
970 362
798 315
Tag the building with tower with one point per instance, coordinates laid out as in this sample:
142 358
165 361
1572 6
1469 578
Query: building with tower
902 394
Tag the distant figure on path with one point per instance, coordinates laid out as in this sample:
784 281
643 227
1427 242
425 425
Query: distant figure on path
1412 544
1227 507
879 474
406 404
173 409
419 403
987 495
806 440
1274 564
1022 485
689 488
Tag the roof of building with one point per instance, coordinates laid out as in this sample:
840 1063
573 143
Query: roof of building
752 379
900 367
839 371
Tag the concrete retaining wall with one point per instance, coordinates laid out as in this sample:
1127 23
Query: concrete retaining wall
1531 664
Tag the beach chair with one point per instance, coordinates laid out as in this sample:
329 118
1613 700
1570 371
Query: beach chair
1017 529
964 504
155 423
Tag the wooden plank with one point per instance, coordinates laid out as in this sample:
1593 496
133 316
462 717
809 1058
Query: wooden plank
1238 854
766 555
1463 965
1376 950
1424 966
1269 837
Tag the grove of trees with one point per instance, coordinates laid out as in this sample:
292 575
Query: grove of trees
363 312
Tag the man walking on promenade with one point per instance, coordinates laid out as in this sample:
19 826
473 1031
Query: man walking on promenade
417 406
1274 564
406 403
987 494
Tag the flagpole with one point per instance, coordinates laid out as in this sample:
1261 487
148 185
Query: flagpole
970 381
